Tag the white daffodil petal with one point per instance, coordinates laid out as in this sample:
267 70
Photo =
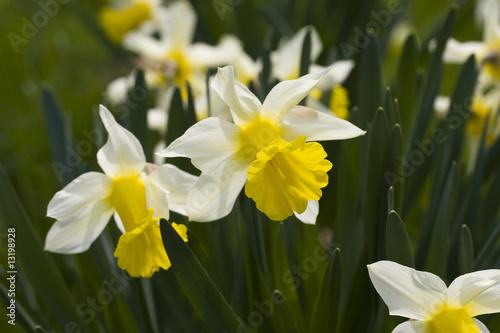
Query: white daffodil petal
215 192
76 234
287 94
286 59
477 292
243 104
158 198
122 155
218 107
318 106
339 71
145 45
206 143
178 22
407 292
491 33
411 326
116 92
481 326
157 119
177 183
310 214
317 126
211 56
457 53
79 194
119 222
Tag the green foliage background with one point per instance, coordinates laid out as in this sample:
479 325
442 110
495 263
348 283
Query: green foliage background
440 218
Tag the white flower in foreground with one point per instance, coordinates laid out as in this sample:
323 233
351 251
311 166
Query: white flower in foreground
431 306
84 207
266 144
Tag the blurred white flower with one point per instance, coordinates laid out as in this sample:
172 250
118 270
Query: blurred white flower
285 65
123 16
487 51
173 57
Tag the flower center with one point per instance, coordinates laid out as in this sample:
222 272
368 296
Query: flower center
452 320
178 69
477 120
116 22
286 175
257 136
490 60
128 196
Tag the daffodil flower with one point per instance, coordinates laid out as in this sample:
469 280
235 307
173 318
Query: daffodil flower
286 66
484 105
486 99
173 58
432 306
135 191
487 52
265 148
121 17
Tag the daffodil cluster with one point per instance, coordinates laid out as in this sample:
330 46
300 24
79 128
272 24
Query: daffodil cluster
269 148
486 100
161 36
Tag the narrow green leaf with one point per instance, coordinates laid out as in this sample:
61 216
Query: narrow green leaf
147 288
369 82
264 75
375 213
190 116
285 279
22 318
326 308
487 248
276 20
393 174
466 251
434 76
137 107
58 128
387 105
390 200
204 295
439 235
282 315
398 248
406 84
305 56
31 259
176 127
